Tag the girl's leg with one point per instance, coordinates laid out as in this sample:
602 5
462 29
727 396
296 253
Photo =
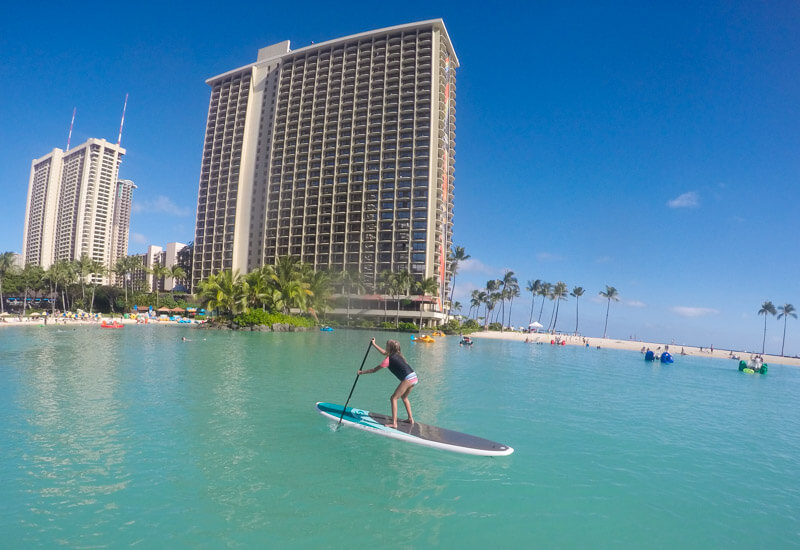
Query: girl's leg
407 403
401 389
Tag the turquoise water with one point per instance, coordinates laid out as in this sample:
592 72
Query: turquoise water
115 438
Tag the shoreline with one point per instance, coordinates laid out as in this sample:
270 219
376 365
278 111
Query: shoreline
635 345
534 338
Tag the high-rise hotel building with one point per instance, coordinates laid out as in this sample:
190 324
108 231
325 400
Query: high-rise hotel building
77 205
339 153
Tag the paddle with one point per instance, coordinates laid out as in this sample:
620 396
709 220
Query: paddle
369 347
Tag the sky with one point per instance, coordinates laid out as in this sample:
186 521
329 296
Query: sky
652 147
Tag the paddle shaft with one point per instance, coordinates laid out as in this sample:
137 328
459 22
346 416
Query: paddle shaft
369 347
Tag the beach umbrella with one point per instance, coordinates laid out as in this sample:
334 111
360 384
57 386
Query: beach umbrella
535 324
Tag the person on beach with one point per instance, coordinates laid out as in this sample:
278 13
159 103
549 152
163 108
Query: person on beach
398 365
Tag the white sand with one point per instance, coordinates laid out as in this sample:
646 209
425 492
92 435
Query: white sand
633 345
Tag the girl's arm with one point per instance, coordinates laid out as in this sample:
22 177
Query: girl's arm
377 347
383 365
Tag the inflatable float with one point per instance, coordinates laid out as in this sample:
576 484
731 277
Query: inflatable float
326 329
666 358
423 338
649 356
753 367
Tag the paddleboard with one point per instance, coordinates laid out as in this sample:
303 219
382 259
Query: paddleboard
421 434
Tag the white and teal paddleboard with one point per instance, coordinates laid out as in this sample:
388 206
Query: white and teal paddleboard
421 434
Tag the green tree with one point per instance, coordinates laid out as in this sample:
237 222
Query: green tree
177 273
533 287
577 292
609 294
426 287
158 272
351 283
544 292
559 293
767 308
786 311
319 284
508 288
224 292
456 256
6 266
96 268
83 268
31 279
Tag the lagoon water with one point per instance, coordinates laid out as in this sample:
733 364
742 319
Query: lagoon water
117 438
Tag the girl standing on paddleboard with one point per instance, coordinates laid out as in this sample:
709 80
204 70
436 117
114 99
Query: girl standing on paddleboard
400 368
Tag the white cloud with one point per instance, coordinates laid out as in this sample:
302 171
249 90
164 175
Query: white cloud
685 311
138 238
690 199
635 303
160 205
471 265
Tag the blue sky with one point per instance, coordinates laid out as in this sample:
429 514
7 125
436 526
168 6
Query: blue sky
651 147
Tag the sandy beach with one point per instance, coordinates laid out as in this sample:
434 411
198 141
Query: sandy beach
634 345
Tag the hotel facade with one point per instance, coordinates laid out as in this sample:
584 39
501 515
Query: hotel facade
340 154
76 205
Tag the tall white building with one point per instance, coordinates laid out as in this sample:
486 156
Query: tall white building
339 153
77 205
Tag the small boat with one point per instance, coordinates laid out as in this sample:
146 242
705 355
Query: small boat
326 329
465 341
649 356
666 357
754 366
423 338
111 325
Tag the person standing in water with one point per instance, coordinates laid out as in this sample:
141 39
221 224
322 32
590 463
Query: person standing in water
398 365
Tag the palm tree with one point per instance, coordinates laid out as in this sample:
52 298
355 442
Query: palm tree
456 256
577 292
544 292
492 295
786 310
506 284
352 283
176 272
610 293
6 265
31 279
766 308
83 267
224 292
95 268
404 280
426 287
319 284
385 287
559 293
533 287
474 302
159 272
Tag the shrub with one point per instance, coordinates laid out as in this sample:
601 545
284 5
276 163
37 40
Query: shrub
260 317
407 327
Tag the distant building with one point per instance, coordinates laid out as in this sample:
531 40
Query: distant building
340 154
77 205
154 256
